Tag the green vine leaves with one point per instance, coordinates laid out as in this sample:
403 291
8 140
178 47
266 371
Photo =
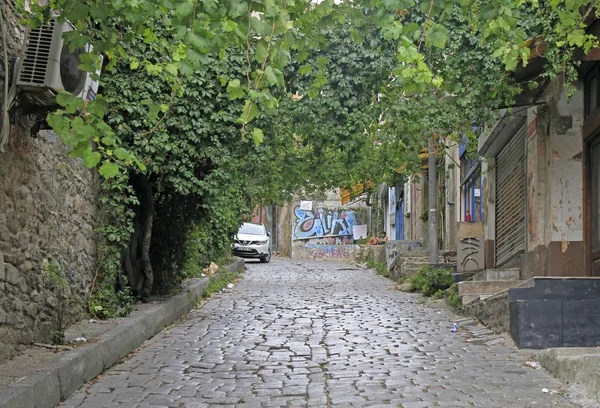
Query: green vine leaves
200 31
80 123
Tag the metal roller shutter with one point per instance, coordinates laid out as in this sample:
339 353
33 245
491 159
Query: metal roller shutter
511 199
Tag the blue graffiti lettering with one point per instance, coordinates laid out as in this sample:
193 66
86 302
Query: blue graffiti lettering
323 222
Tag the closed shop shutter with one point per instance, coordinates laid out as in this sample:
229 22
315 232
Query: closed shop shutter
510 199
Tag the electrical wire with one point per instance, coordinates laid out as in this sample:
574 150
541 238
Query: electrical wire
5 128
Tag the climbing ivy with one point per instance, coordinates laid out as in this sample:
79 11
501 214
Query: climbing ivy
199 176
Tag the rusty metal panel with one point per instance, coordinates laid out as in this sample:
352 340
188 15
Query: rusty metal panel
511 199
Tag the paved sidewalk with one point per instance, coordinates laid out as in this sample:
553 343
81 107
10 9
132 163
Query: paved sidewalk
319 334
54 379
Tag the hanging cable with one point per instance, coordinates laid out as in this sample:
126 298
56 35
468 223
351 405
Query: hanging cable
5 127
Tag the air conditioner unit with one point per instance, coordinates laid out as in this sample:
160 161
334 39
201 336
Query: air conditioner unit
48 66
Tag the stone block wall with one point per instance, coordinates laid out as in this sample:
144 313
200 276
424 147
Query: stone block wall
48 213
15 31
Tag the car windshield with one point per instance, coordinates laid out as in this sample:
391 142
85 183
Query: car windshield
252 229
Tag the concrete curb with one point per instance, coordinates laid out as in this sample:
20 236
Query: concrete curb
236 265
65 375
579 368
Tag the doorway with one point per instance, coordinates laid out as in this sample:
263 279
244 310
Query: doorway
593 198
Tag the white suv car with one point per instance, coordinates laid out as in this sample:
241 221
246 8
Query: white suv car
253 241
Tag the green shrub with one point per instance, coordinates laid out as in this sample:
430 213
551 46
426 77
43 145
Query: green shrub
58 285
204 245
381 269
429 280
452 296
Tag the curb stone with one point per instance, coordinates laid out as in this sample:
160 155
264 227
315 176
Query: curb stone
236 265
65 375
578 367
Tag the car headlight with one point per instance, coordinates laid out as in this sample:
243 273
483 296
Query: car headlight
262 242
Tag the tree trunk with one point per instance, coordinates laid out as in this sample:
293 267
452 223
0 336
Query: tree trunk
433 233
130 261
147 212
135 258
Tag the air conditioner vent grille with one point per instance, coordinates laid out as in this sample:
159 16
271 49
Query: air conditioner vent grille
37 54
73 79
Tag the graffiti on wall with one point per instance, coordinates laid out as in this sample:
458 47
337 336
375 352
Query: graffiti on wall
330 251
323 222
470 249
469 255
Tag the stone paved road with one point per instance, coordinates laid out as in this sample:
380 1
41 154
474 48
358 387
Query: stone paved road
319 334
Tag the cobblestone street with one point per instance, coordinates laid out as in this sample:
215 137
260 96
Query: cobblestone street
319 334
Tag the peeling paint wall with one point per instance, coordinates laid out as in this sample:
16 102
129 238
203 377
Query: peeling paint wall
554 183
418 226
488 193
452 199
555 186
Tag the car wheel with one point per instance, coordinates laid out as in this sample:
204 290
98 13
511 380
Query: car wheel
266 258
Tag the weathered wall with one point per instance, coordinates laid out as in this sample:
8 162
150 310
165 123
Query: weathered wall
470 248
555 186
306 250
15 31
488 193
418 227
47 213
452 199
554 183
328 223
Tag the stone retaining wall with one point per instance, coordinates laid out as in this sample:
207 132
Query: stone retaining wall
48 213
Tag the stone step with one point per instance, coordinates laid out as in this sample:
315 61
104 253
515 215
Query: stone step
484 287
414 254
417 254
498 275
414 262
469 298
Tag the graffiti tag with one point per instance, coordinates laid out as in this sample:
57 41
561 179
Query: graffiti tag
330 252
323 222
